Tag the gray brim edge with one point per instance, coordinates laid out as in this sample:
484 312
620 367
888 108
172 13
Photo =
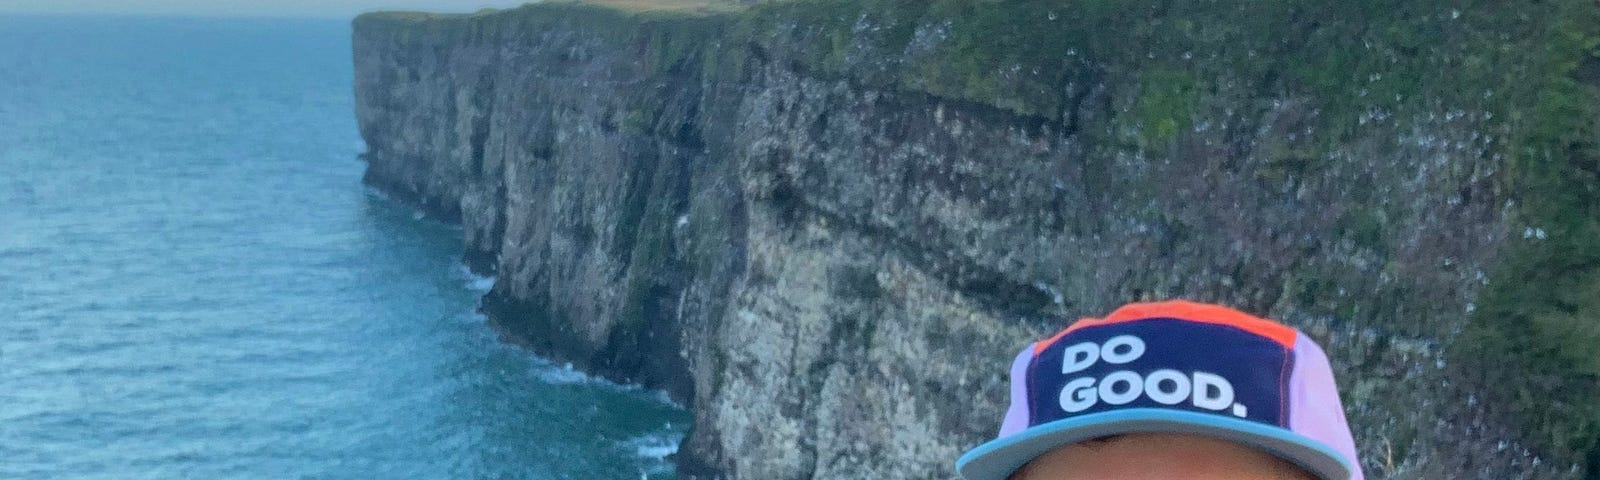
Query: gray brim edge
999 458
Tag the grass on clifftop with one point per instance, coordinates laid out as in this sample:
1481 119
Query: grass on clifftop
626 6
669 5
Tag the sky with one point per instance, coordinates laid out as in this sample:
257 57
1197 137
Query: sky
246 8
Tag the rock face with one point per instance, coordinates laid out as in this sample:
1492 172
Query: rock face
828 226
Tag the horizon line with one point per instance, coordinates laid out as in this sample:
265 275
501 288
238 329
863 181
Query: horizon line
214 15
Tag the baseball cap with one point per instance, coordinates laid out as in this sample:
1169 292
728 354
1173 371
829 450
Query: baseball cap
1176 367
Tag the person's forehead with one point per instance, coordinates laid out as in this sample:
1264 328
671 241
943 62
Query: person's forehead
1160 455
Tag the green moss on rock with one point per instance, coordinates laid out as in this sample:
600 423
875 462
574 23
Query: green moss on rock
1535 339
1166 106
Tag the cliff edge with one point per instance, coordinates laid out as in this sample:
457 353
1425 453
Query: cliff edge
828 225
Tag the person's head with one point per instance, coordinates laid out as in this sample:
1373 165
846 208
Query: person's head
1175 391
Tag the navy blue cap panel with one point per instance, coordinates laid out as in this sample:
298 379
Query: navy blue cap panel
1162 363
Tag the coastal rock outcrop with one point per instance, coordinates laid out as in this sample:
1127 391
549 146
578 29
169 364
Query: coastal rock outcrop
827 226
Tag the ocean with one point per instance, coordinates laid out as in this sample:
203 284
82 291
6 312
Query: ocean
194 283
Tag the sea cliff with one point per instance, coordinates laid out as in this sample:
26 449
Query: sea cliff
827 226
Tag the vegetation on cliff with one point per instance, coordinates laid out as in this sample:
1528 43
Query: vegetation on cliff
1535 341
1525 77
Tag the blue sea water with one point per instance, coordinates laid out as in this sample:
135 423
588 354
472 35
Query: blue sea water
194 283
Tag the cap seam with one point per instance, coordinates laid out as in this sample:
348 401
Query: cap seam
1285 375
1028 388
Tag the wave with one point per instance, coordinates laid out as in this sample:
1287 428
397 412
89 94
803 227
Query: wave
565 374
653 448
475 282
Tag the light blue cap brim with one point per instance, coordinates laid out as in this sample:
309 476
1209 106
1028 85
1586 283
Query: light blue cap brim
999 458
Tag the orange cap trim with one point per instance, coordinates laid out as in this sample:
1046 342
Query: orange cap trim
1184 310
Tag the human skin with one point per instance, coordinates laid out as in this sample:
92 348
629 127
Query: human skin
1159 456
